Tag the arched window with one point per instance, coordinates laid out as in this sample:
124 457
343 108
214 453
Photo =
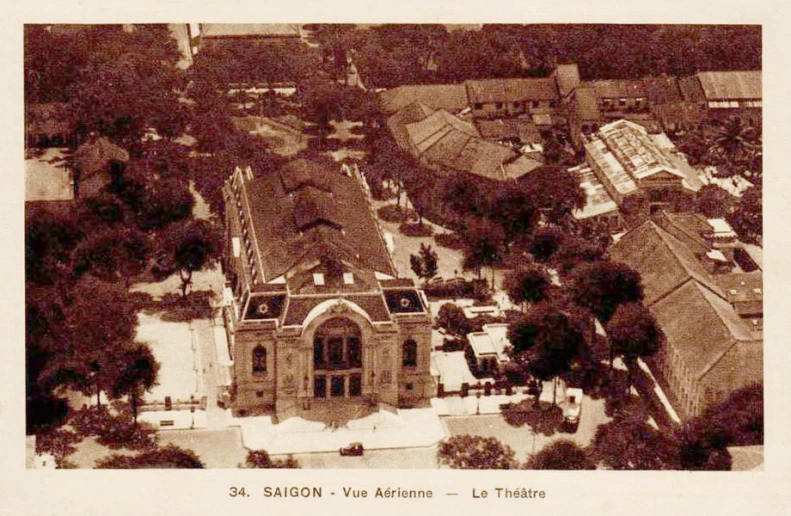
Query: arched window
259 359
410 353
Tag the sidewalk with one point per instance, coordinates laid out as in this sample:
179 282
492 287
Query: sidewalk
407 428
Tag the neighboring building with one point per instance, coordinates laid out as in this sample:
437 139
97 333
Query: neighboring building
599 206
490 348
567 78
725 94
262 32
97 163
711 315
640 172
620 98
317 319
446 143
449 97
499 98
583 114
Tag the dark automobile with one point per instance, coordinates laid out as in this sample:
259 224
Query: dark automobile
353 449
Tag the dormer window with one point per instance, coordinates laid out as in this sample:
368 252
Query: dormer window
318 279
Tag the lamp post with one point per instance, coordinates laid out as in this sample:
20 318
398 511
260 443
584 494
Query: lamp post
478 406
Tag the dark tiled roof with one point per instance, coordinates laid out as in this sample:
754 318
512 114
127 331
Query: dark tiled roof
501 128
618 88
587 104
691 89
662 90
396 283
510 90
450 97
299 227
299 307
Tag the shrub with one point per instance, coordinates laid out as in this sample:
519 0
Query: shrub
449 240
394 213
412 229
452 318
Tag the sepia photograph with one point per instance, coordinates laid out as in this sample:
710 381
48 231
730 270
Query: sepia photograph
393 246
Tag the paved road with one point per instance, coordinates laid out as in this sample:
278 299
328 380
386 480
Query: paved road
410 458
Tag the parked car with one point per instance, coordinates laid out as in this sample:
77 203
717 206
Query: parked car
572 409
353 449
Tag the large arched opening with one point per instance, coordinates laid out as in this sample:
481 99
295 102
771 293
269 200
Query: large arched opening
337 359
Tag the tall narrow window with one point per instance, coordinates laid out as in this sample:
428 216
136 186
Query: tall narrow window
355 352
318 353
410 353
259 359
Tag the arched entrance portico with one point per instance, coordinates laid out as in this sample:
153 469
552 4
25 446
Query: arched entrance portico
337 359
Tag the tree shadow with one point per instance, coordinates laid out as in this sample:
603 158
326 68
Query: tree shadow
175 307
545 419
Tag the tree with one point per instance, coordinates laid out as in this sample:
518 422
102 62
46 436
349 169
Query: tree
555 190
736 421
633 333
189 247
602 286
483 244
452 318
545 342
169 457
747 219
475 452
544 243
628 443
514 211
387 161
112 255
99 325
463 196
527 284
424 264
714 202
140 66
138 370
50 238
561 455
260 459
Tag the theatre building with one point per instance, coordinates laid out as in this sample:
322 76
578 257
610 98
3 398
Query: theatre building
316 318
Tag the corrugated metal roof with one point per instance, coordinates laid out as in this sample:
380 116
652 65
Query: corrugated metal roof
731 85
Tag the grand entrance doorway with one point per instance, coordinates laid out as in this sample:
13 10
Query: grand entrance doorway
337 359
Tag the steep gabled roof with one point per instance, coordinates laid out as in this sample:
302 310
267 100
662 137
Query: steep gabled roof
293 228
702 326
396 123
663 261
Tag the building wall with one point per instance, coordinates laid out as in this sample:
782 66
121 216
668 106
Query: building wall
287 385
510 109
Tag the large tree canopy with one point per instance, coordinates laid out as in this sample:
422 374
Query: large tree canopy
561 455
602 286
475 452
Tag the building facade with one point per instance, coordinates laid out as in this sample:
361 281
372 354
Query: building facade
316 318
711 315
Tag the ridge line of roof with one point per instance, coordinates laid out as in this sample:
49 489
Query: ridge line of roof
663 235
